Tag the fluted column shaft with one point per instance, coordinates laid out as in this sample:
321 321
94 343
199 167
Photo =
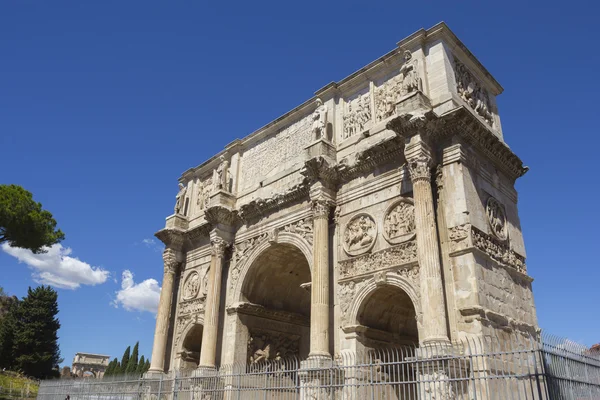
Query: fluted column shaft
319 309
164 312
208 351
430 270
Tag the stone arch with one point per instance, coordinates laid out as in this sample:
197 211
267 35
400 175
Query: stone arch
272 300
281 238
405 290
190 341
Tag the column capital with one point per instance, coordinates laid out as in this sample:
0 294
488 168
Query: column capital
218 247
321 208
419 168
170 261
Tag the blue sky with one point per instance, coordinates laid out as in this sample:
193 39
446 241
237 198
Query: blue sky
103 104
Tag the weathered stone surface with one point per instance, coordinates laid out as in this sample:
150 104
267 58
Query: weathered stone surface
380 212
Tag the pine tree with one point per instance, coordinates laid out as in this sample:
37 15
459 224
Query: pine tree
36 334
133 360
125 360
141 366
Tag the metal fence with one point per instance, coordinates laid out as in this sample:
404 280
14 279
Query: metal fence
472 369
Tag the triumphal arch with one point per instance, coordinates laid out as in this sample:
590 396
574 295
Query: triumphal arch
381 212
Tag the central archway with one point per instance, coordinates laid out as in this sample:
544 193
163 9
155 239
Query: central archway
275 308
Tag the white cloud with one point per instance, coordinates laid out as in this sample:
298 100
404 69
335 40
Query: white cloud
141 296
152 244
56 268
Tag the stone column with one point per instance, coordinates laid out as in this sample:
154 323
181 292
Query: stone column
319 309
432 289
208 351
163 316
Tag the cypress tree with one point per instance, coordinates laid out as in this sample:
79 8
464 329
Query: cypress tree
141 366
36 334
7 332
133 360
147 367
125 360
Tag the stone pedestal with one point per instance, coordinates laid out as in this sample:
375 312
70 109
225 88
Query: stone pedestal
320 147
163 317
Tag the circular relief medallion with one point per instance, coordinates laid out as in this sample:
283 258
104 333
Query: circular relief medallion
399 222
496 218
191 286
360 234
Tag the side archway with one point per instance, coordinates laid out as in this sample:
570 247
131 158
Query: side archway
189 345
388 311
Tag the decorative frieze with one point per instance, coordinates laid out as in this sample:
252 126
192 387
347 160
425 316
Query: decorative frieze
191 307
360 234
266 345
472 93
269 314
393 90
497 250
394 256
357 115
399 222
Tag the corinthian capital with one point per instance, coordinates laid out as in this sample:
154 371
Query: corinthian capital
321 208
170 261
218 247
419 168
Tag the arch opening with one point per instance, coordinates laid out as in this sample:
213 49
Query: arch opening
190 348
275 307
388 318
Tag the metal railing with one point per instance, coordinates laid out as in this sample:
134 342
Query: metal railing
472 369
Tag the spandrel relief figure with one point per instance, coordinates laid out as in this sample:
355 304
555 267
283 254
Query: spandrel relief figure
319 125
180 199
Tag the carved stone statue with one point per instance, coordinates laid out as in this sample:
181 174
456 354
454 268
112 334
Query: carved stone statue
221 177
180 199
410 75
319 125
201 201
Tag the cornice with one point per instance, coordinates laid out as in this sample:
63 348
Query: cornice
258 208
172 238
219 214
460 122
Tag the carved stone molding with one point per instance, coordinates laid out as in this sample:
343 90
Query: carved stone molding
264 345
191 287
219 214
321 169
170 261
360 234
173 238
399 222
258 208
402 254
496 218
259 311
